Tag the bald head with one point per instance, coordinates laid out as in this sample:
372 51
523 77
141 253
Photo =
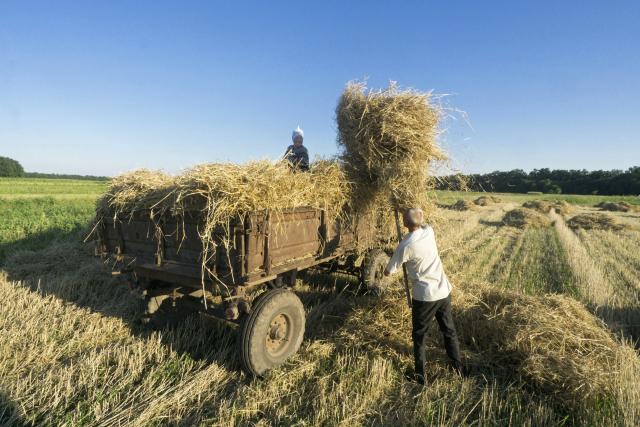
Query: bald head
413 218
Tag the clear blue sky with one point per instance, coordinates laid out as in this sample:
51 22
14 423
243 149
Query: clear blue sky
102 87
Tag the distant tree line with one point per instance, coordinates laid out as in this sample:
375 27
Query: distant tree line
10 168
613 182
65 176
13 169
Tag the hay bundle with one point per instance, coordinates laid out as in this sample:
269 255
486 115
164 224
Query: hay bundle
523 217
544 206
463 205
552 341
617 206
595 221
486 200
388 140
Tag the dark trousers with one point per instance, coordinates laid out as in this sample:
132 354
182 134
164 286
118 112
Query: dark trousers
422 314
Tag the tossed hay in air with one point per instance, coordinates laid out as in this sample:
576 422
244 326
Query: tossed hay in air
617 207
387 140
225 192
544 206
595 221
523 217
463 205
486 200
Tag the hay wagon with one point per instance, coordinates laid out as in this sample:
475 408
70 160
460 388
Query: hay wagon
249 278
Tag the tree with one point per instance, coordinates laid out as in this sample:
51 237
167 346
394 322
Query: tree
10 168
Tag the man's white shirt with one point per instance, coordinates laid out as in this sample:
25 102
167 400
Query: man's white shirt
419 251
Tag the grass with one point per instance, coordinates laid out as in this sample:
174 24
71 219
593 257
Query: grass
73 352
35 187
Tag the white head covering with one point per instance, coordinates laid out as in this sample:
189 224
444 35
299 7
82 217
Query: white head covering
297 131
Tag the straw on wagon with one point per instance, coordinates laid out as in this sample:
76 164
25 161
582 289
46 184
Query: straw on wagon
225 192
387 139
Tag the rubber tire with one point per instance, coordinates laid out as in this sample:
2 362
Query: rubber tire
374 261
255 358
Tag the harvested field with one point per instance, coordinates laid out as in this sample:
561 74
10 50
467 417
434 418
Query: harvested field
523 217
527 303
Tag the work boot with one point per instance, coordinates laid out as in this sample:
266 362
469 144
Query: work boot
411 376
460 369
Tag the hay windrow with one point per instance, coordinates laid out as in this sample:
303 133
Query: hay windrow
621 206
486 200
595 221
388 140
463 205
524 217
544 206
552 340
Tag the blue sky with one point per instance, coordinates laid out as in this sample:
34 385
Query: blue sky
104 87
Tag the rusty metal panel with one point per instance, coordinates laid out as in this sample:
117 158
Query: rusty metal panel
294 234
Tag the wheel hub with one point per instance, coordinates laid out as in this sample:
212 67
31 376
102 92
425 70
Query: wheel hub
277 334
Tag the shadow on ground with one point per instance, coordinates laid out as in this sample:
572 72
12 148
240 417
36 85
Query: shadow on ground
9 412
67 269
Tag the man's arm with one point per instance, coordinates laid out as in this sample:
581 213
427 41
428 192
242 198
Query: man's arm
396 260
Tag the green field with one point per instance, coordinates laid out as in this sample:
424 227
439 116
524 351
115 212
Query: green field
74 352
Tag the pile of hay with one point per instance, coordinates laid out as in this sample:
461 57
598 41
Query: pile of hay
487 200
387 140
463 205
595 221
523 217
621 206
225 192
544 206
552 341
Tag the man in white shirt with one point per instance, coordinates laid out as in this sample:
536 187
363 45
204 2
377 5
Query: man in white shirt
431 289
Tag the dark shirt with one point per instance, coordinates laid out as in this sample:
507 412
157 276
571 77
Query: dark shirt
298 157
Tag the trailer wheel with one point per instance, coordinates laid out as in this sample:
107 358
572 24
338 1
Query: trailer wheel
372 270
272 331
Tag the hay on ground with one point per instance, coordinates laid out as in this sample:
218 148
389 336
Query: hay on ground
463 205
621 206
544 206
388 141
595 221
551 340
524 217
487 200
